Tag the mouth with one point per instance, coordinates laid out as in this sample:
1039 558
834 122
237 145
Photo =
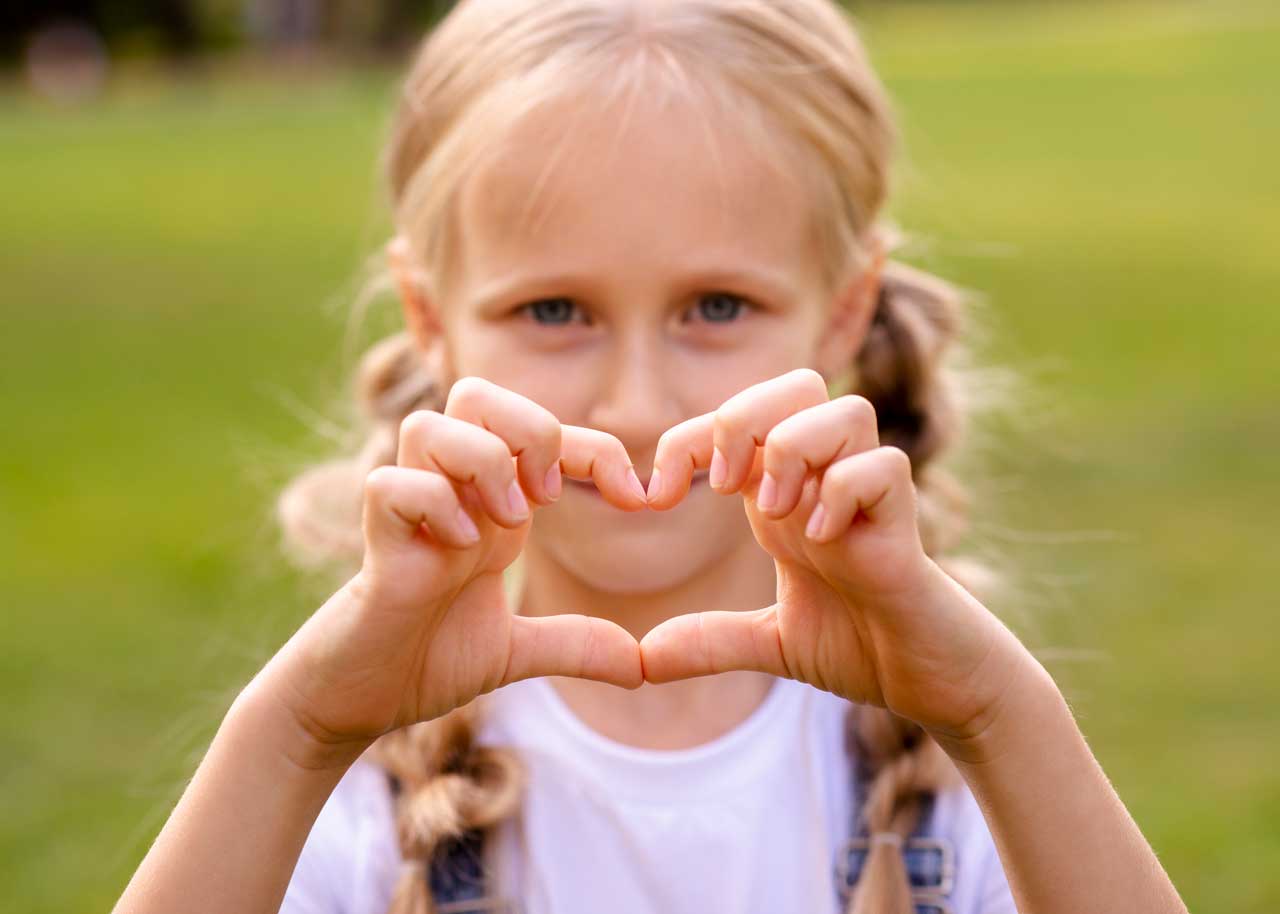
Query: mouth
586 485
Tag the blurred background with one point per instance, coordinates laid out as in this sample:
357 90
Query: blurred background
188 191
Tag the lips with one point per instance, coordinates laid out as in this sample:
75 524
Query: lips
586 485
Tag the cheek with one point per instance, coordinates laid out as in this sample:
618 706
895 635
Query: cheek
502 358
700 379
712 378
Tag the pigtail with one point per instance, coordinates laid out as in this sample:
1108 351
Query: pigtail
901 369
319 511
446 784
901 767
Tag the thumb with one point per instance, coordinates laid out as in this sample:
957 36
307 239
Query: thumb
701 644
573 645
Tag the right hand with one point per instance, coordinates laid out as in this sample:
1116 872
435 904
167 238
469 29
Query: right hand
424 626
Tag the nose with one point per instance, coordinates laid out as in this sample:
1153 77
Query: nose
638 396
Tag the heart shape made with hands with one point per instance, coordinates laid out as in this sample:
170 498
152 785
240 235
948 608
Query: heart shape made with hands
835 510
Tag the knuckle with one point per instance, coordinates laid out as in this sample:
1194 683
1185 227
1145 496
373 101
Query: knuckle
595 444
838 478
601 440
897 459
379 482
780 444
614 449
859 408
809 377
681 434
731 417
414 425
665 442
468 390
495 456
435 486
546 427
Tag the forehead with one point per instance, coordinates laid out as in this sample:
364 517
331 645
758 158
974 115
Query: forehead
635 191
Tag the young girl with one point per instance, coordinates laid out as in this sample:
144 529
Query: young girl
653 347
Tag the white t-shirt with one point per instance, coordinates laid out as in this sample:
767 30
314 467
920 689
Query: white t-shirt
749 822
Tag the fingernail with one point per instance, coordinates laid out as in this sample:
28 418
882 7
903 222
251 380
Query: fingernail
551 484
812 528
718 469
516 500
655 485
768 494
634 481
467 526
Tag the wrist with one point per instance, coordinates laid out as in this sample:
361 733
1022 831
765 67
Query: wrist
1027 701
263 708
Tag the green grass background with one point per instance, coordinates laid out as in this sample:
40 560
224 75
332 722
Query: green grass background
175 266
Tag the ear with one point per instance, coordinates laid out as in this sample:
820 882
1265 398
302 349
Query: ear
420 314
850 316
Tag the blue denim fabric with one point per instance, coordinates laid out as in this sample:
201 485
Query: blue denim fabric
930 862
456 874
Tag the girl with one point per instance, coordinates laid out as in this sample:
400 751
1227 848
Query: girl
647 303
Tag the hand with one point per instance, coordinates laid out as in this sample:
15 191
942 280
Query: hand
861 610
424 626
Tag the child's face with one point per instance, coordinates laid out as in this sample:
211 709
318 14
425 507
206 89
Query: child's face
667 282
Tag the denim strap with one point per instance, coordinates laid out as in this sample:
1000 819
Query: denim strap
929 860
455 876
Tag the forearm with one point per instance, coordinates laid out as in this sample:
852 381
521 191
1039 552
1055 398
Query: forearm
1065 839
235 836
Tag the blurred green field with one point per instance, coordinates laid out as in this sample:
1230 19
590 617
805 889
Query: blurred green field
176 263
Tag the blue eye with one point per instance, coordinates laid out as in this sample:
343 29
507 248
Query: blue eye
719 307
715 307
551 310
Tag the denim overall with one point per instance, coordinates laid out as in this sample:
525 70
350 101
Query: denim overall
455 876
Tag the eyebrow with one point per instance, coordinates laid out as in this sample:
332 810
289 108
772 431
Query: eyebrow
772 284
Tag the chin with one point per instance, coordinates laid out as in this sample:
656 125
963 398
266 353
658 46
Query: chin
658 552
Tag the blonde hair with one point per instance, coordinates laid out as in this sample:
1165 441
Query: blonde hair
794 74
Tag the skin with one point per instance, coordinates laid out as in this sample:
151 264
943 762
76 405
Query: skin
635 332
708 443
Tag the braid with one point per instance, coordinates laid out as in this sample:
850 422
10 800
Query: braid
900 370
447 784
320 510
901 766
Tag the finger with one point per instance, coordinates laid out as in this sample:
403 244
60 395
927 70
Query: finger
399 501
531 432
806 442
743 421
573 645
701 644
587 453
467 454
681 450
876 484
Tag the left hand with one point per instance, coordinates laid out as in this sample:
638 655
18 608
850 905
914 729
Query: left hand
861 610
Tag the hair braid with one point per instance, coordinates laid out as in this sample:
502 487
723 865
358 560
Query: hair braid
900 370
447 783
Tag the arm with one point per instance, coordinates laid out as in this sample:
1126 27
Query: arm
1065 839
235 836
864 613
421 629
